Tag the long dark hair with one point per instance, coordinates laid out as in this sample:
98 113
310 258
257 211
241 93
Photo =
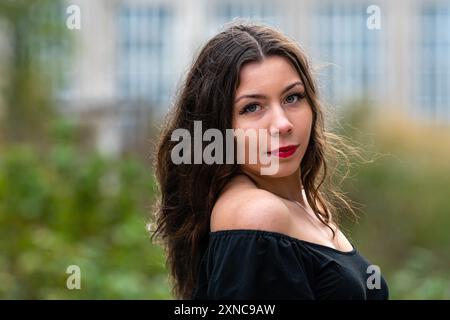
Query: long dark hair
188 191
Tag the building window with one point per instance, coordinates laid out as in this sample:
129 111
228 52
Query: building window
258 11
144 72
433 69
351 53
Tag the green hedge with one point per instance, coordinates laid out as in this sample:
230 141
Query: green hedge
405 196
72 207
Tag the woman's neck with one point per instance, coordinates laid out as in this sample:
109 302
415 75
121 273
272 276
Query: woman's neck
289 187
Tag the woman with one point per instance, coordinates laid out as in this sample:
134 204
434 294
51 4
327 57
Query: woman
232 232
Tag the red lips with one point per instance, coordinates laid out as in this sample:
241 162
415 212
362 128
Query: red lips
284 152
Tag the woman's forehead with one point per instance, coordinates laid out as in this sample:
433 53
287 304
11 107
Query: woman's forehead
269 73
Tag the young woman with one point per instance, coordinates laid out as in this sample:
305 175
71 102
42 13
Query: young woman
232 232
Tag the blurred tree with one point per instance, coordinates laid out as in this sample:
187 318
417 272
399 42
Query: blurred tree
69 207
32 30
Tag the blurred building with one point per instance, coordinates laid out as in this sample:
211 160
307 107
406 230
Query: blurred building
131 54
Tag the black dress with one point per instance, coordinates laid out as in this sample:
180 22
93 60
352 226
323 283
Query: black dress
258 264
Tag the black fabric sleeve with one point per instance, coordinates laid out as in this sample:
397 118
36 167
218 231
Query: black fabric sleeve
255 266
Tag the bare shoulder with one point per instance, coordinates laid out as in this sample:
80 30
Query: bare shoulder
243 205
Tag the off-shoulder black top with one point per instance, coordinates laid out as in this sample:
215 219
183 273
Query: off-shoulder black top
258 264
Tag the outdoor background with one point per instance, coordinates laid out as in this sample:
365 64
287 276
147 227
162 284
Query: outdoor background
80 109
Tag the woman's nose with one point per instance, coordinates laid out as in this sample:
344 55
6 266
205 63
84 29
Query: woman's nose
280 123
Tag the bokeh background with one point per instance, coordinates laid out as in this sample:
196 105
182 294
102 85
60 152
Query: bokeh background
80 110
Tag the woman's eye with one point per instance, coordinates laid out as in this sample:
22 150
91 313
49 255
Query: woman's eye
294 97
250 108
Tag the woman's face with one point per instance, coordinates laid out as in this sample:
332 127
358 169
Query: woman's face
272 97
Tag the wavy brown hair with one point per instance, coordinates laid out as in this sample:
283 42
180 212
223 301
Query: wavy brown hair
188 192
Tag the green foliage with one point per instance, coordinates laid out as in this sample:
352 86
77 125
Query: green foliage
32 73
404 194
70 206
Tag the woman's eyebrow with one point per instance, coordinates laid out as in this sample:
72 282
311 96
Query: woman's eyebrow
261 96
